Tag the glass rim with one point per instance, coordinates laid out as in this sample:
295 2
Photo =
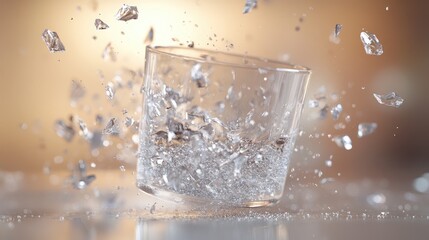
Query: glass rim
283 66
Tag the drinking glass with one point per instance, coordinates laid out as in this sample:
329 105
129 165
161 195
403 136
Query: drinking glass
217 127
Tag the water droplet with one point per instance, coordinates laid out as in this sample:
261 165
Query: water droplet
122 168
340 126
376 199
365 129
421 184
348 119
328 163
199 76
343 142
313 103
336 111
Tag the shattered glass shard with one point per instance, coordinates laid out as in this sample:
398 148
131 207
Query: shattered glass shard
250 4
343 142
337 30
390 99
371 44
365 129
334 37
175 126
52 41
84 131
109 53
129 121
96 140
79 179
100 25
127 12
152 209
149 37
336 111
112 127
63 130
110 90
199 76
77 92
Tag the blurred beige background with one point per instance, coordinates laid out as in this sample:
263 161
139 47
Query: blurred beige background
35 84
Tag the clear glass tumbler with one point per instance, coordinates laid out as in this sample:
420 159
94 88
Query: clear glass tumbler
218 127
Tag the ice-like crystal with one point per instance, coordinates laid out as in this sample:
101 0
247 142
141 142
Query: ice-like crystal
149 38
109 53
80 179
336 111
52 41
371 44
343 142
63 130
249 5
77 92
127 12
112 127
365 129
313 103
110 90
199 76
129 121
390 99
100 25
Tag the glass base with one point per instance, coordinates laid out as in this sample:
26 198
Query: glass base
199 202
